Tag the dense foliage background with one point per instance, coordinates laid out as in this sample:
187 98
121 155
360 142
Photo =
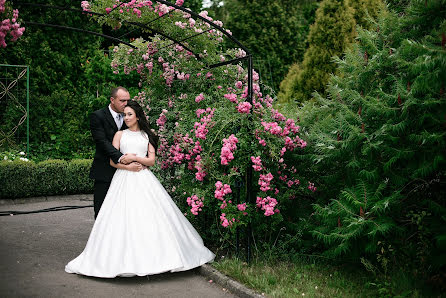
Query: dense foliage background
375 128
74 71
276 33
69 78
377 148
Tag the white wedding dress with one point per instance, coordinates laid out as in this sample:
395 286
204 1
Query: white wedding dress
139 229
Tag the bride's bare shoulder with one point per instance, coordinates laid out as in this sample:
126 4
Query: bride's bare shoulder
118 134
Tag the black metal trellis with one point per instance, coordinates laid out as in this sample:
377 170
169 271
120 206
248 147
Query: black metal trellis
145 26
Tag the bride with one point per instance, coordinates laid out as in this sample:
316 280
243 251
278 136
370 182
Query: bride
139 229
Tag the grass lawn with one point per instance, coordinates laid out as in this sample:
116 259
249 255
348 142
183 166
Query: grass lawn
306 279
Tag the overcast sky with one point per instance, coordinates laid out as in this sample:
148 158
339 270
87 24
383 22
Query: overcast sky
207 3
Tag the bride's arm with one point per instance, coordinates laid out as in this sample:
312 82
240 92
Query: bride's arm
134 166
149 160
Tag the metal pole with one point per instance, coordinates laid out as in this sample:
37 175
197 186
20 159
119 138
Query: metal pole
250 68
249 169
27 111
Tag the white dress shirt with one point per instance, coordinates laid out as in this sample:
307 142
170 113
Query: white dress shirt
117 117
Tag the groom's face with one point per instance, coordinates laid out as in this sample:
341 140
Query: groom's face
119 102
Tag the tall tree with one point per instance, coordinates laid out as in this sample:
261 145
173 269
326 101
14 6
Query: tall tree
378 144
330 35
274 31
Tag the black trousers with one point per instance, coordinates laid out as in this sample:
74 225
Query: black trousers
100 190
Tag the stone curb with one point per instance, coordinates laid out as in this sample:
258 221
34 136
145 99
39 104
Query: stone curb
233 286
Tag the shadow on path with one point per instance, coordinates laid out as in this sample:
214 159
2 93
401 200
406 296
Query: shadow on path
34 249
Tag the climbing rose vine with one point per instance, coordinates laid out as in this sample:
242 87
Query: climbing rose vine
9 28
209 132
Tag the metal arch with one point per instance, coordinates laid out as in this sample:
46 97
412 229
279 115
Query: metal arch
184 39
201 18
248 53
80 30
209 22
144 26
164 35
141 25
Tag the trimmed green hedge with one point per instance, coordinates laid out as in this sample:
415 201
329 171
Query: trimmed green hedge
21 179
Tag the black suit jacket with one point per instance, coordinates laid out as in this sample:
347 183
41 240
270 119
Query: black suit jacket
103 129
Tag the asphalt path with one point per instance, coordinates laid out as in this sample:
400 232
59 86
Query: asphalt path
34 249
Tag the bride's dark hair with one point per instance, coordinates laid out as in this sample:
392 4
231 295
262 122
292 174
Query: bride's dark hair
143 123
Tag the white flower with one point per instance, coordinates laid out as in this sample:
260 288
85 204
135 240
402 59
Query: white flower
23 158
240 53
85 5
315 287
5 158
22 153
163 8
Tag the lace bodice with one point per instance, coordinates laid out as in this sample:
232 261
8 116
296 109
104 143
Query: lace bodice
134 142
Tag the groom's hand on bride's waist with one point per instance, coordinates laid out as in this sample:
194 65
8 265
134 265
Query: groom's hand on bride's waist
135 167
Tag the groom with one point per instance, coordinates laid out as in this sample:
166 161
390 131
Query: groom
104 123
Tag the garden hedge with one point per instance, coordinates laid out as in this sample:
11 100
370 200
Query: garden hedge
21 179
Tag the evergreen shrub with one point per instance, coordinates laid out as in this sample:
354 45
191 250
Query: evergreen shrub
377 146
331 34
21 179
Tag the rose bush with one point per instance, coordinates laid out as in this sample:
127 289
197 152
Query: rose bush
9 27
209 131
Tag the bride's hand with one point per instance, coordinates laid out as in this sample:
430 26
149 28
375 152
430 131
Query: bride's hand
127 158
134 167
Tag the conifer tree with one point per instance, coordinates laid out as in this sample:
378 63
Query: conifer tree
288 85
379 141
332 31
364 10
330 35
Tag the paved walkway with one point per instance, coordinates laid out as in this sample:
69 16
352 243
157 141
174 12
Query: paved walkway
34 249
